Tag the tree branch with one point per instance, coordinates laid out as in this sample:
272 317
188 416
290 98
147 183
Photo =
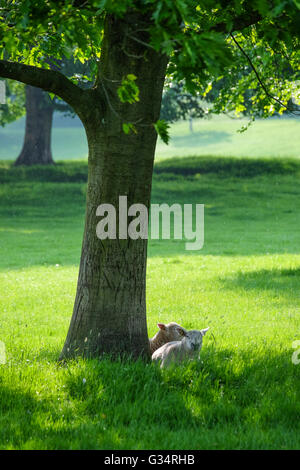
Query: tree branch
51 81
269 95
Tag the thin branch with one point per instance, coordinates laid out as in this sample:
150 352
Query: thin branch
134 56
140 41
123 45
109 102
258 77
113 109
110 79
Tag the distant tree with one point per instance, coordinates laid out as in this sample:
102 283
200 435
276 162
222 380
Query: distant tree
177 103
37 140
39 108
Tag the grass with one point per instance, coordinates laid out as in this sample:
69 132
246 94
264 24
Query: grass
217 136
244 284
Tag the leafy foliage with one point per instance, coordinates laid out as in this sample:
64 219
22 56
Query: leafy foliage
129 127
14 106
128 92
250 47
262 83
161 128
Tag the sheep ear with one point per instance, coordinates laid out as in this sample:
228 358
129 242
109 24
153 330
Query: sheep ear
204 331
162 326
181 331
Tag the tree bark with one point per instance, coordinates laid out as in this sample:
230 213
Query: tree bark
109 314
37 141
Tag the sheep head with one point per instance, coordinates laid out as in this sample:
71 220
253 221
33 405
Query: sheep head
193 339
172 331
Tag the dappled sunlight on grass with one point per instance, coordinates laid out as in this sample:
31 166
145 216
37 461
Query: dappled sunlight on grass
230 399
19 230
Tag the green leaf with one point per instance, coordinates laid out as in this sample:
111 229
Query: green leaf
129 127
128 92
161 128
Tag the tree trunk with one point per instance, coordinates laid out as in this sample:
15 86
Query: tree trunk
37 141
110 307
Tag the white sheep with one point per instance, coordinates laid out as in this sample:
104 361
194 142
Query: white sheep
177 351
170 332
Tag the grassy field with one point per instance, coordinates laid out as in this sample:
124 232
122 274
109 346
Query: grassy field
244 284
217 136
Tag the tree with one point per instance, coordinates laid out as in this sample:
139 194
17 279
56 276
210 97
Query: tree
39 108
134 44
179 104
37 140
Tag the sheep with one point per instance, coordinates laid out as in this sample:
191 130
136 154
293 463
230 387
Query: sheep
170 332
177 351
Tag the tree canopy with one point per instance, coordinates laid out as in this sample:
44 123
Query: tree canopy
206 41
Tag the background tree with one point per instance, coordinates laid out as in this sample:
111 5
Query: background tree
37 139
134 44
179 104
39 108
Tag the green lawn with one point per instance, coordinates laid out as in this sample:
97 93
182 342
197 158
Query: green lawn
244 284
217 136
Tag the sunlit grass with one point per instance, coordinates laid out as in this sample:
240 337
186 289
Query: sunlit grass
244 285
217 136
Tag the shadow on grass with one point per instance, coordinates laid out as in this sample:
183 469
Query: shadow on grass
42 217
201 138
228 166
280 281
229 399
62 172
75 171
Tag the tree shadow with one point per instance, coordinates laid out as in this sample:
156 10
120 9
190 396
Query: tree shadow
42 224
227 166
283 282
203 138
229 399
